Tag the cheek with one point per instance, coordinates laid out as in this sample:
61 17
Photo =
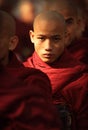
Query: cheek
3 51
74 27
4 46
71 28
59 48
37 47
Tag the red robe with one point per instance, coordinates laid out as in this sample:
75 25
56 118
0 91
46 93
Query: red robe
62 74
79 49
25 99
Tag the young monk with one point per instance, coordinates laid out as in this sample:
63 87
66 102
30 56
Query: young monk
62 69
25 93
76 45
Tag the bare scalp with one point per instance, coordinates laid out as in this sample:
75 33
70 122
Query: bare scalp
7 23
49 16
60 5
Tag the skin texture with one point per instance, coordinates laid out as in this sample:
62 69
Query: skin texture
49 36
8 39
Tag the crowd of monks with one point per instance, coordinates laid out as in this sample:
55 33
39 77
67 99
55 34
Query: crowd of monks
48 88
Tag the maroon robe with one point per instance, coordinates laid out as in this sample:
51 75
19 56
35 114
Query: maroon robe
79 49
62 73
25 99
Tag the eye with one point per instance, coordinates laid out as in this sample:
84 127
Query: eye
69 21
56 39
41 38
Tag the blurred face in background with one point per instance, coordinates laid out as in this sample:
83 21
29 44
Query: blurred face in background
26 11
4 46
71 24
70 16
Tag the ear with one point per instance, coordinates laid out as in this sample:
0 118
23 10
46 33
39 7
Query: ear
31 34
13 42
81 27
81 23
66 43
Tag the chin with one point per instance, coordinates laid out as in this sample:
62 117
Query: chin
46 61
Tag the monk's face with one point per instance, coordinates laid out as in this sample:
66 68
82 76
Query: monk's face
27 12
71 24
4 46
7 43
48 38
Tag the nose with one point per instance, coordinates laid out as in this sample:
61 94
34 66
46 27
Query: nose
48 45
66 33
68 29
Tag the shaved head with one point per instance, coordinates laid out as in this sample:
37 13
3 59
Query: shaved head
49 35
7 23
69 10
60 5
49 16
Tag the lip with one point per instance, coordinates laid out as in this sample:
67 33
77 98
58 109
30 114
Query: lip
47 55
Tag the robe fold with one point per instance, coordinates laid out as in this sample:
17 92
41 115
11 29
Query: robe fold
25 99
63 73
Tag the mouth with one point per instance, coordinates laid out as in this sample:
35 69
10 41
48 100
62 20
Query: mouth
47 55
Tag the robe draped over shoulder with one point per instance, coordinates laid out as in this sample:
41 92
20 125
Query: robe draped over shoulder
69 80
26 99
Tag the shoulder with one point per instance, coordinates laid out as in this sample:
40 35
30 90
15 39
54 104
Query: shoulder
28 62
69 60
35 77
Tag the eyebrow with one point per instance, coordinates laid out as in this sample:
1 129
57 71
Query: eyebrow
41 35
